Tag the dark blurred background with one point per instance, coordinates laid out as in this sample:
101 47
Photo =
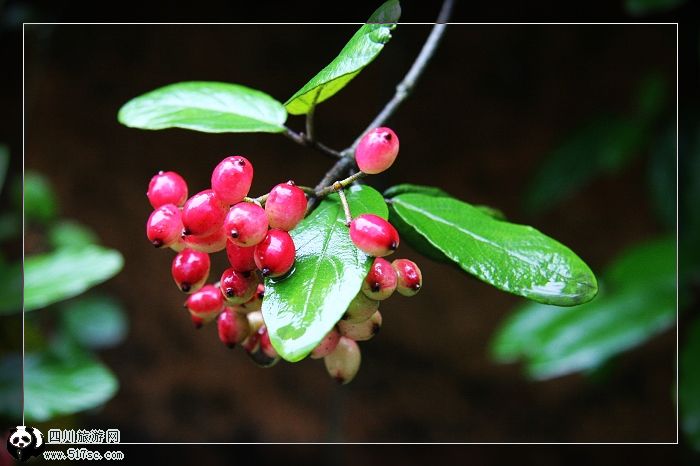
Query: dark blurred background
493 102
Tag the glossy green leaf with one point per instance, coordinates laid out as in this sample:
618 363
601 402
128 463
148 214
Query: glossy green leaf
409 235
604 145
68 272
359 52
300 308
94 321
39 198
71 234
4 163
689 388
11 291
634 306
211 107
514 258
646 7
55 386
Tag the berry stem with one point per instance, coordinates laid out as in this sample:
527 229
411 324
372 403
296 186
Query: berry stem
303 140
338 185
310 123
344 202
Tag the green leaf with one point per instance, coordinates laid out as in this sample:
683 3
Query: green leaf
4 163
300 308
94 321
604 145
68 272
39 198
689 389
71 234
514 258
634 306
409 235
54 386
645 7
211 107
359 52
11 291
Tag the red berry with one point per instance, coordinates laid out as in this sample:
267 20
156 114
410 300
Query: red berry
241 259
164 226
233 327
232 178
246 224
238 287
410 279
196 321
285 206
203 214
327 345
167 188
265 343
360 309
274 256
190 269
380 282
254 303
213 242
374 235
344 362
205 303
264 355
255 322
377 150
361 331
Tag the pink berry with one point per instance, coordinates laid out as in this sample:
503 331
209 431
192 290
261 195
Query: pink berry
255 322
265 343
380 282
274 256
344 362
205 303
213 242
377 150
233 328
410 279
246 224
374 235
238 287
360 309
231 179
190 269
361 331
241 259
285 206
196 321
203 214
327 345
167 188
164 226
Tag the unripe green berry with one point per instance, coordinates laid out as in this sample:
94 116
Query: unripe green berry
344 362
360 309
361 331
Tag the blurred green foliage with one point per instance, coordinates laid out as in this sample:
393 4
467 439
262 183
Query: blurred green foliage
62 375
646 7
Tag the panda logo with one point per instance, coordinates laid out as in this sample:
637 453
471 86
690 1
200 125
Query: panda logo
25 442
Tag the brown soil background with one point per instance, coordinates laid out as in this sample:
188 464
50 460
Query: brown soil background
493 102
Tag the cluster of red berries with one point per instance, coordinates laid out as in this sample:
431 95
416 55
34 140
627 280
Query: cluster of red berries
255 235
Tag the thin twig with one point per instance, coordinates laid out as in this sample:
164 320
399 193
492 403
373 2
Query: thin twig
310 124
338 185
301 139
346 206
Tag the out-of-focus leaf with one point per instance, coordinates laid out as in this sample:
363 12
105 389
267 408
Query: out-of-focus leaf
211 107
662 177
11 386
10 226
94 321
4 162
514 258
604 145
67 272
71 234
11 291
689 387
637 302
652 97
647 7
359 52
39 198
55 386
